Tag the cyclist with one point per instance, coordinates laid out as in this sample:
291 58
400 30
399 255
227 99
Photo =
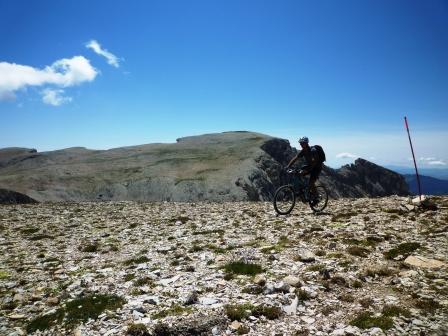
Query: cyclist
313 160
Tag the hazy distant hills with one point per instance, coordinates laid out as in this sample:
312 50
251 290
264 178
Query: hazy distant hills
228 166
434 181
429 185
438 173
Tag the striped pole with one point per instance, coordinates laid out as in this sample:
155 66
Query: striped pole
415 163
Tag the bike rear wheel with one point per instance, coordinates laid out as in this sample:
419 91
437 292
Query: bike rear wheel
284 200
318 201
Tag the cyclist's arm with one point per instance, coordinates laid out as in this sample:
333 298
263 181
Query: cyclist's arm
294 159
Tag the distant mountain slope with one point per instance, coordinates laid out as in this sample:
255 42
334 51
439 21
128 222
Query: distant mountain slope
228 166
429 185
438 173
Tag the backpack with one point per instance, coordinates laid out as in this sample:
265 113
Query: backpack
320 153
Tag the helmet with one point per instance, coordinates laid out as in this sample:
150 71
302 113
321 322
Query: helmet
303 140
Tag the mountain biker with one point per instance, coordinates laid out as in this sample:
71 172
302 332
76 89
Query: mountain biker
313 165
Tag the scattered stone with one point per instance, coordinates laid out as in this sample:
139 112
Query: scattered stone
292 308
307 319
53 301
208 301
235 325
305 255
292 281
192 298
149 268
260 279
282 287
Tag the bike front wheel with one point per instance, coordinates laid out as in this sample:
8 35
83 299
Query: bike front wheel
284 200
318 200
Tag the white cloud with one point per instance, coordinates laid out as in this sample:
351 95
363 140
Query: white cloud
346 156
96 47
437 163
54 97
427 159
62 73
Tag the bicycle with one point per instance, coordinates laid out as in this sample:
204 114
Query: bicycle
285 196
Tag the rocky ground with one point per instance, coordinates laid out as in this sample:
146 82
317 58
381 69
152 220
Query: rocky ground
364 267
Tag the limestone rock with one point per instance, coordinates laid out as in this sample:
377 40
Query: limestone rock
419 261
292 281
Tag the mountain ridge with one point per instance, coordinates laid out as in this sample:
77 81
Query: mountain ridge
229 166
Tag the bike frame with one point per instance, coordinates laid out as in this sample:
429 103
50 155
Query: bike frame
303 189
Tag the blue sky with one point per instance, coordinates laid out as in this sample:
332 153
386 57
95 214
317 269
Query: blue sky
344 73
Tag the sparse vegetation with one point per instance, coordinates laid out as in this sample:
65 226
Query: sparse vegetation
366 320
393 310
77 311
238 312
206 232
137 329
143 281
428 306
90 248
4 275
335 255
216 249
40 237
243 329
404 250
366 302
358 251
343 216
315 268
302 294
30 230
347 297
242 267
270 312
196 248
137 260
242 311
380 271
172 311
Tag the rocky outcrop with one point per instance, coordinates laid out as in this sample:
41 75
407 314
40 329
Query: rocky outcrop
13 197
363 179
229 166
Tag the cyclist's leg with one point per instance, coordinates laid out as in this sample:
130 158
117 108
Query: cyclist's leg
314 175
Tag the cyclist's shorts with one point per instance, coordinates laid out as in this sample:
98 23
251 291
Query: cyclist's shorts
314 174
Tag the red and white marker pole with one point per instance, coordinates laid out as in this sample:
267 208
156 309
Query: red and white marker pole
415 163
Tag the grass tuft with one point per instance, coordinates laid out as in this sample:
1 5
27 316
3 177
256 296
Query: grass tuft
77 311
238 312
404 249
90 248
358 251
366 320
428 306
137 329
241 267
174 310
393 310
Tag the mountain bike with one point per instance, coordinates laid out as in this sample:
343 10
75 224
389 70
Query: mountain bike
286 196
